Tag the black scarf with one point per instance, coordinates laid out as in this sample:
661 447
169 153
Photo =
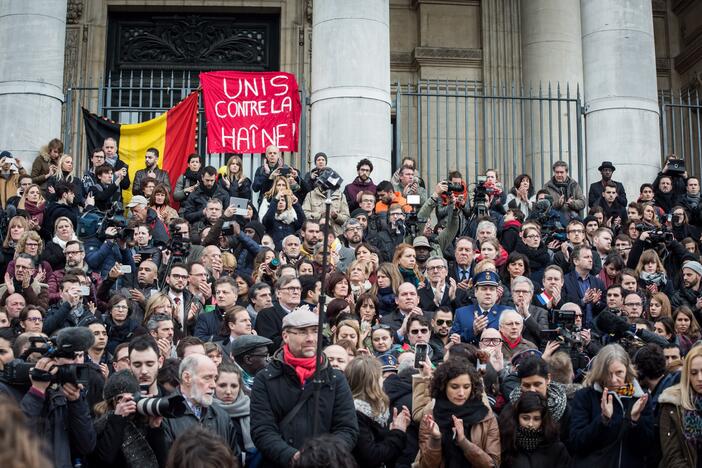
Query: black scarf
529 439
135 448
471 412
193 177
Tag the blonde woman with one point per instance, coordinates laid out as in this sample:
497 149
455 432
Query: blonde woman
66 174
32 205
31 244
161 204
611 418
17 226
281 186
681 415
234 181
381 440
53 251
387 280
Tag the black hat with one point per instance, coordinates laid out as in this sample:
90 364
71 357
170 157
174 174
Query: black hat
606 165
320 155
257 227
120 382
359 212
246 343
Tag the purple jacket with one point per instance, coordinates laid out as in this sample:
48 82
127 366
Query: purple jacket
353 189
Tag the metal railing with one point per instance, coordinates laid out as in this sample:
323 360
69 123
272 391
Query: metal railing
137 96
681 127
470 127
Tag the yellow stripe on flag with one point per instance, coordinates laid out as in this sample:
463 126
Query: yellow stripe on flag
135 139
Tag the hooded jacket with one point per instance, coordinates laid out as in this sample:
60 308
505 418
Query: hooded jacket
677 452
354 188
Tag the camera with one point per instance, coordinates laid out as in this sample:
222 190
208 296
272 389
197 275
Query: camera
114 217
178 244
676 166
656 236
274 264
455 188
284 171
168 407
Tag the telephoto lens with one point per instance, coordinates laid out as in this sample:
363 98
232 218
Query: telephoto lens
168 407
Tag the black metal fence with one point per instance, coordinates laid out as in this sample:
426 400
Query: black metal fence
681 127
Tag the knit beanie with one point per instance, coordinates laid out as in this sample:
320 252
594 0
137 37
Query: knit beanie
120 382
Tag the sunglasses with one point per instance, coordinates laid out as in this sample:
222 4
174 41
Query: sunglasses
442 322
417 331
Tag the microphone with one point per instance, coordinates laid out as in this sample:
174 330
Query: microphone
611 324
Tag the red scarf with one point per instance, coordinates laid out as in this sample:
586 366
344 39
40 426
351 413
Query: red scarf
304 367
511 344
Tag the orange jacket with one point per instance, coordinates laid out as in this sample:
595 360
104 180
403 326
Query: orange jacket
381 207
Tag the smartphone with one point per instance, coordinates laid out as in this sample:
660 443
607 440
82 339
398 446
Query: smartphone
145 256
144 389
413 200
85 291
549 335
420 354
126 269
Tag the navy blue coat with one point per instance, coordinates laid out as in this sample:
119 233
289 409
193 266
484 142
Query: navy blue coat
463 321
208 325
571 291
278 230
618 443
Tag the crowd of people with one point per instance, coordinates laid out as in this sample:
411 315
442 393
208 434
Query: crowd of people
462 324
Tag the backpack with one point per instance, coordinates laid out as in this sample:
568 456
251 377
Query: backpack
89 223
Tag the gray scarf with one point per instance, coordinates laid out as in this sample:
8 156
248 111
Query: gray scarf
240 411
365 408
692 200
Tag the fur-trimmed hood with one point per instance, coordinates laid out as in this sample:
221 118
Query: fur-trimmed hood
671 395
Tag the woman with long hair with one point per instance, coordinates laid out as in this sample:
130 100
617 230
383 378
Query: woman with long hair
387 280
659 306
31 319
652 275
405 259
32 205
381 438
530 437
31 244
532 245
161 204
457 428
284 215
17 226
612 267
358 274
234 181
66 174
681 415
611 418
687 329
190 180
281 185
665 327
517 265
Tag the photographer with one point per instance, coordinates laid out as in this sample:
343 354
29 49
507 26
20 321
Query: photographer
70 310
58 411
195 205
671 252
143 248
393 235
125 438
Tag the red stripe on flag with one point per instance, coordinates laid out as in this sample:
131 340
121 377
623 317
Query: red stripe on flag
181 126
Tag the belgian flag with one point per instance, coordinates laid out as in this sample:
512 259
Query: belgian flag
172 133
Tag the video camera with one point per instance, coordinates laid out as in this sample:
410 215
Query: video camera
64 345
114 217
551 227
656 235
178 244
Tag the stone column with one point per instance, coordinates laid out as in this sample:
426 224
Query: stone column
551 53
32 34
351 85
621 102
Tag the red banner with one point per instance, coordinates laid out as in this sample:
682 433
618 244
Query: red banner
247 112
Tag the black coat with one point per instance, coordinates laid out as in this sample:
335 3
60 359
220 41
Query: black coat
398 388
377 446
269 323
53 212
192 209
277 390
548 455
619 443
208 325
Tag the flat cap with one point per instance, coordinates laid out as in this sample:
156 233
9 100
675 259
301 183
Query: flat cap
246 343
300 318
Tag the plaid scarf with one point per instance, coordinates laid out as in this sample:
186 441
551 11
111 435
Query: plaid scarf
692 424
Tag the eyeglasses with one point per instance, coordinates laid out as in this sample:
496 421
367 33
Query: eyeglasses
442 322
532 236
291 289
576 231
491 341
520 291
35 319
417 331
31 244
435 268
22 267
179 277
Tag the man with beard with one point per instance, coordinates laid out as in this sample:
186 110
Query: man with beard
151 170
597 188
689 294
353 233
614 212
144 362
194 207
291 249
186 307
441 290
362 183
198 376
209 325
441 332
311 235
147 274
567 195
282 402
119 168
70 312
160 327
422 251
75 260
250 353
386 196
393 235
